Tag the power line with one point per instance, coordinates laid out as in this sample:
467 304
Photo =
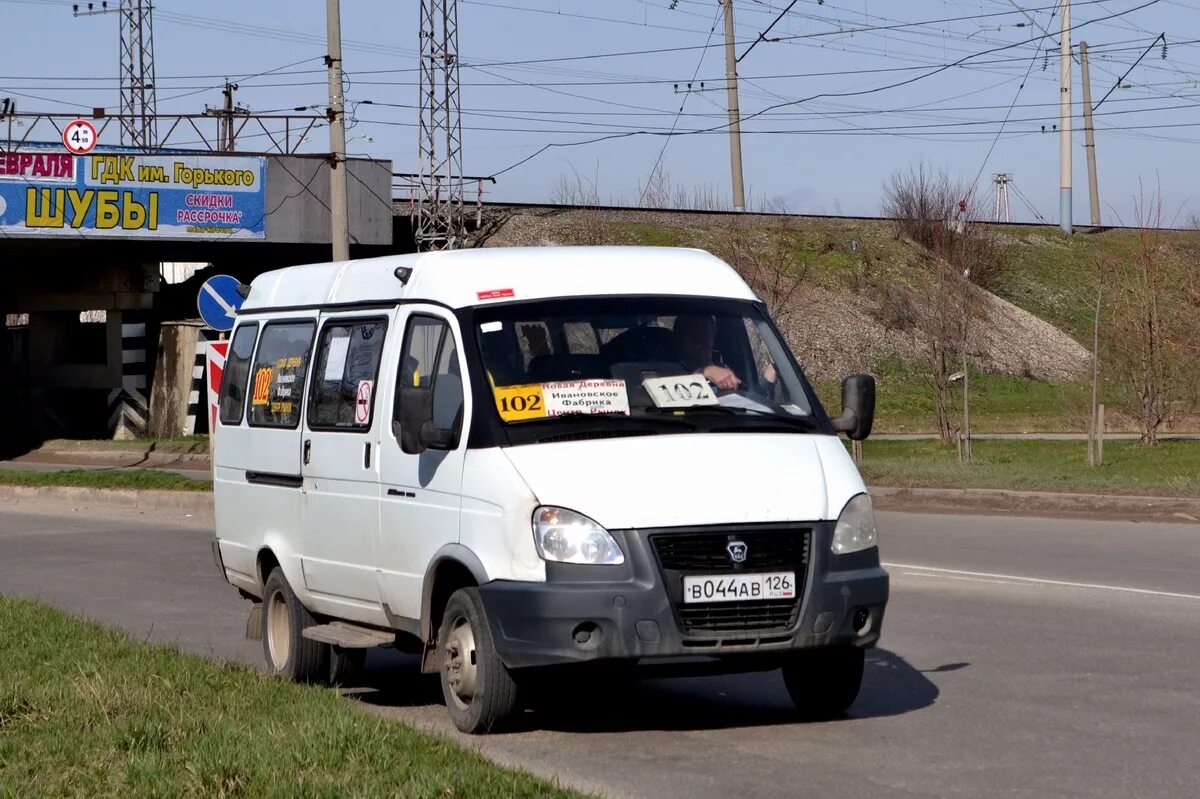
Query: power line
853 93
1027 202
1008 113
682 103
762 36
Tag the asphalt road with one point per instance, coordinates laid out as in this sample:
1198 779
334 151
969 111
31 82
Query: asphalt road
1020 657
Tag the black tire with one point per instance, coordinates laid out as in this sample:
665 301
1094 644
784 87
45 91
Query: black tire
480 692
824 684
288 653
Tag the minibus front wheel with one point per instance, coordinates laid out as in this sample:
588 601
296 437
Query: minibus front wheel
288 653
824 683
480 692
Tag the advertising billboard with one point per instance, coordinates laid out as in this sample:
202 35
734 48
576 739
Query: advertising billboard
48 192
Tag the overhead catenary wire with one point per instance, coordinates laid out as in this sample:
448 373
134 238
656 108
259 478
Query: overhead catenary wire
847 93
1027 202
1007 113
683 102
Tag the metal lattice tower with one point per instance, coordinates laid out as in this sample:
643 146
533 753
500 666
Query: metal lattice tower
138 106
1001 179
440 221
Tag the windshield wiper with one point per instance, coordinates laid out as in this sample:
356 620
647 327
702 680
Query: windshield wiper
609 418
806 422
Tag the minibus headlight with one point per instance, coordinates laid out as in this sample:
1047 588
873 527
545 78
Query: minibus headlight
855 529
569 537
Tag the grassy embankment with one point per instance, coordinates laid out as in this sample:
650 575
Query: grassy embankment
1170 469
87 711
1048 275
129 479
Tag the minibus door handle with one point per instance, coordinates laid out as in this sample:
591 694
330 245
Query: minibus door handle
307 450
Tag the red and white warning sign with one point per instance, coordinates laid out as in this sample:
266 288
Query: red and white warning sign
80 137
215 369
362 405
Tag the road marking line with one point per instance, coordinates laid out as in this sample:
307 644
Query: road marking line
957 577
931 571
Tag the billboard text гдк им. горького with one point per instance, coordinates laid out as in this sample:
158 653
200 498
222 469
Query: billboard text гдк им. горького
44 192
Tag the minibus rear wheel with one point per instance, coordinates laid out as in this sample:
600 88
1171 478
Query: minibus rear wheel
289 654
823 684
480 692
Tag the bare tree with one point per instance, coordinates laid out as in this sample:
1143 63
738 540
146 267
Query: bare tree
940 217
584 194
766 259
660 191
1151 327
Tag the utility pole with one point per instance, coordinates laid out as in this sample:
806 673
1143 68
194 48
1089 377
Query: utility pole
226 130
8 108
1089 135
226 136
138 106
440 223
1064 132
735 124
338 210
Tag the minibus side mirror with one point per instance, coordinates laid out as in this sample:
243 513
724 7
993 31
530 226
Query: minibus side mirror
433 437
431 418
858 407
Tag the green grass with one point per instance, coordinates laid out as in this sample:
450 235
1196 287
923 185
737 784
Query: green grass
86 711
999 404
1170 469
132 479
176 445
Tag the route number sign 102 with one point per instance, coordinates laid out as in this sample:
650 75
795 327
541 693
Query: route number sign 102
684 391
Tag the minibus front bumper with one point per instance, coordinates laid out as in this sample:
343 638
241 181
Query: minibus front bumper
635 611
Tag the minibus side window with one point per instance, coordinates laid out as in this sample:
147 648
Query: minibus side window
232 400
343 382
277 382
430 384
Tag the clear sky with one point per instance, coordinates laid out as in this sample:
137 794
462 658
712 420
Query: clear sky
827 154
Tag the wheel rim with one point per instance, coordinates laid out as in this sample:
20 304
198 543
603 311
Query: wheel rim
279 630
459 662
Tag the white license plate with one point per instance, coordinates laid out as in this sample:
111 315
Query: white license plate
739 587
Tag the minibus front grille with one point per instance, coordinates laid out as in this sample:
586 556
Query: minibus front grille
704 552
739 616
708 552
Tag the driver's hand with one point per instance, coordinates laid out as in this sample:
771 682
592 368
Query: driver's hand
722 377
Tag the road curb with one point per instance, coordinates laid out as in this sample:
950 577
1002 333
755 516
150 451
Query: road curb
193 502
1037 503
987 501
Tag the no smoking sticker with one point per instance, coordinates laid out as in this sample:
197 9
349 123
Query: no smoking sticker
362 402
79 137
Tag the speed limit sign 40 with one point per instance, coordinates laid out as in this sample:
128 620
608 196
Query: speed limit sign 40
79 137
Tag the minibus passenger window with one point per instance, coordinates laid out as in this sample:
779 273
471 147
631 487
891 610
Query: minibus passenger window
343 382
237 367
277 382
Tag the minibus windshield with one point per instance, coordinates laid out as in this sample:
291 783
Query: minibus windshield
662 357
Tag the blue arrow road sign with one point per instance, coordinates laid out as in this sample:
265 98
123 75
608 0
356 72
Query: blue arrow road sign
218 301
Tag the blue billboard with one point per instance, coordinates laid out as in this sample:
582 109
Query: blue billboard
49 192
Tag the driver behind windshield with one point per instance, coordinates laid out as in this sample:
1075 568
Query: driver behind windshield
695 337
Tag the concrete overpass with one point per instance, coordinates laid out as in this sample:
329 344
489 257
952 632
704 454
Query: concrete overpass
81 243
